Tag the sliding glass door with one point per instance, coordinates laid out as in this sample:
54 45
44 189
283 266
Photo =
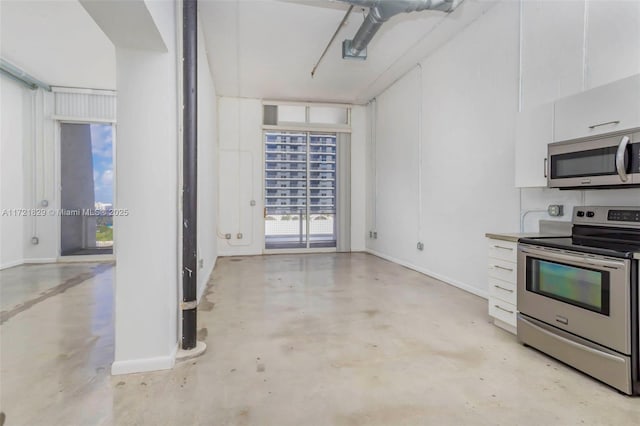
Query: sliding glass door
300 190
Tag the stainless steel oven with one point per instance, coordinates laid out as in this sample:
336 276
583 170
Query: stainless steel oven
605 161
578 297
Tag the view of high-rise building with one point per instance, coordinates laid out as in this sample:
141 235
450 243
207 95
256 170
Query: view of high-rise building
300 190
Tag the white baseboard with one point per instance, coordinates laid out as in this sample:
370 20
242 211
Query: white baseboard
41 260
87 258
12 264
227 250
446 280
144 364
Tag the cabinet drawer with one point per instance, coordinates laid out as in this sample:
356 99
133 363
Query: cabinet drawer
504 250
502 290
502 310
604 109
503 270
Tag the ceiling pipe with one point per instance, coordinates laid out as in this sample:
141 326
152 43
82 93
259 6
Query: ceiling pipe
380 11
190 175
11 71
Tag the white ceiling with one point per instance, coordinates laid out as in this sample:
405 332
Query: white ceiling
57 42
267 48
257 48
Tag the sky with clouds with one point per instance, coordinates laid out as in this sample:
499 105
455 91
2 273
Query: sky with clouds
102 149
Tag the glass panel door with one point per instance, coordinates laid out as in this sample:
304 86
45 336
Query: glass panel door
300 190
322 190
285 198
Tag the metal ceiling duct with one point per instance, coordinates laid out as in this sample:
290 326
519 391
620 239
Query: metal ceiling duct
379 12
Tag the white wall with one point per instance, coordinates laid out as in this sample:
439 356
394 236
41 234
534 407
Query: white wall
15 128
147 162
241 178
396 154
41 180
60 44
472 88
57 42
358 177
207 167
467 91
240 163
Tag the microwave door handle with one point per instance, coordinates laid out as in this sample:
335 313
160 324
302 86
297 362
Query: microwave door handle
620 157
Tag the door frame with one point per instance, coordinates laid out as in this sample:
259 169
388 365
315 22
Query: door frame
58 176
307 249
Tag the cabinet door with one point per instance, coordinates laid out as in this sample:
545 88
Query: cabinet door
604 109
551 55
612 41
534 131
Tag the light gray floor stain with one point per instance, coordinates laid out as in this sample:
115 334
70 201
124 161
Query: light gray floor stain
61 288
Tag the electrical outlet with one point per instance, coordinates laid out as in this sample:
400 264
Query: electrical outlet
370 234
239 236
555 210
227 236
201 263
420 246
375 235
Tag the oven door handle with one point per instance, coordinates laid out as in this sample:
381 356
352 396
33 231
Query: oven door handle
579 260
620 157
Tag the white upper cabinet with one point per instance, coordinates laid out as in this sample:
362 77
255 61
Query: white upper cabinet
552 59
612 45
534 131
611 68
604 109
552 51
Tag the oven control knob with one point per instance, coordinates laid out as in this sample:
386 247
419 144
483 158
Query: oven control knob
590 214
580 213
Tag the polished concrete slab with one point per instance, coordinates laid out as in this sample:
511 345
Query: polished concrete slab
327 339
24 286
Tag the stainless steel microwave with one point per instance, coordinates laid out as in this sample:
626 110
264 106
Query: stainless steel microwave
604 161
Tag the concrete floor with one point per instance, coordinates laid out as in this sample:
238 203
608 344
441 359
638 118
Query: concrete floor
331 339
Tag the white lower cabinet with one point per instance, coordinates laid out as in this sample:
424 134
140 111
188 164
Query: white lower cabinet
502 273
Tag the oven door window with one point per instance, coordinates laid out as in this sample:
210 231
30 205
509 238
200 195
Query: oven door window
578 286
594 162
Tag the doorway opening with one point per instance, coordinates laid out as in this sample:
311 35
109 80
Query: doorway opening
300 190
86 194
